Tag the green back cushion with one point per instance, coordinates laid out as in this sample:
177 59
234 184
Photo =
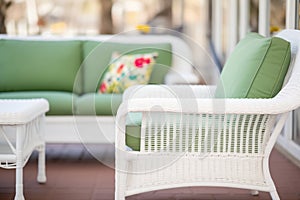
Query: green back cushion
39 65
97 57
255 69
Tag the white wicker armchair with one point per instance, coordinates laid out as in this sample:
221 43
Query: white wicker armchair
191 139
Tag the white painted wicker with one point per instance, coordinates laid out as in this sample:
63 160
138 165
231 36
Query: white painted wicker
20 133
191 139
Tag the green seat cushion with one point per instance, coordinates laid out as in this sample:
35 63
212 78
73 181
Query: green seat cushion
255 69
133 131
97 57
39 65
60 102
98 104
107 104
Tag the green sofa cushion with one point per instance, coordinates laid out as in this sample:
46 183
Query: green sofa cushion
39 65
97 57
98 104
256 68
60 102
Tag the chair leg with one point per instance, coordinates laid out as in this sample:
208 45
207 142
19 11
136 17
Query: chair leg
120 187
274 195
41 178
121 176
269 180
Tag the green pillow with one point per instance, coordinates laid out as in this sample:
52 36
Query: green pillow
97 57
255 69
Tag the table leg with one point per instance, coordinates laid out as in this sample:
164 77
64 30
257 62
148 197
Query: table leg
41 178
21 131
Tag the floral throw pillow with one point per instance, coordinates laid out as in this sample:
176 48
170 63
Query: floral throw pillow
127 70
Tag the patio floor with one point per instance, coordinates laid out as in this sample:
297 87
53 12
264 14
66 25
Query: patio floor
74 174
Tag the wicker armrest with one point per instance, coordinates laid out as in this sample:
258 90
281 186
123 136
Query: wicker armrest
206 106
169 91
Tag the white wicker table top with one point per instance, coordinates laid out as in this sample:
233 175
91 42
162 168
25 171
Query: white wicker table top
21 111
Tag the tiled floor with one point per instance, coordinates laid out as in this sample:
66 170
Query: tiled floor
74 174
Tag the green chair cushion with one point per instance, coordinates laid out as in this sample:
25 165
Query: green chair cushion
61 103
97 57
255 69
39 65
133 131
98 104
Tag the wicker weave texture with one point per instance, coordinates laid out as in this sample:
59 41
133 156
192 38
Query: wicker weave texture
191 139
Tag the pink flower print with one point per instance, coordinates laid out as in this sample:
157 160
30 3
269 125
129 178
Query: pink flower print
139 62
147 60
103 87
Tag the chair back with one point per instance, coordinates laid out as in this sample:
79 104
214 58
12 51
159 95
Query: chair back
290 93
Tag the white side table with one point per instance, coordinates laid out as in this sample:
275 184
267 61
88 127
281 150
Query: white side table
20 133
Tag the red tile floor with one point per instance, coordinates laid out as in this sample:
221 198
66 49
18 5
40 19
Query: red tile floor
74 174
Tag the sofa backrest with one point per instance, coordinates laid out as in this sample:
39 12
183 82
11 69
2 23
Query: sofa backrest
97 58
181 70
27 65
56 63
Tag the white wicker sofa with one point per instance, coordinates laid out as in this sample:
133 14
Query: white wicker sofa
188 138
69 127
